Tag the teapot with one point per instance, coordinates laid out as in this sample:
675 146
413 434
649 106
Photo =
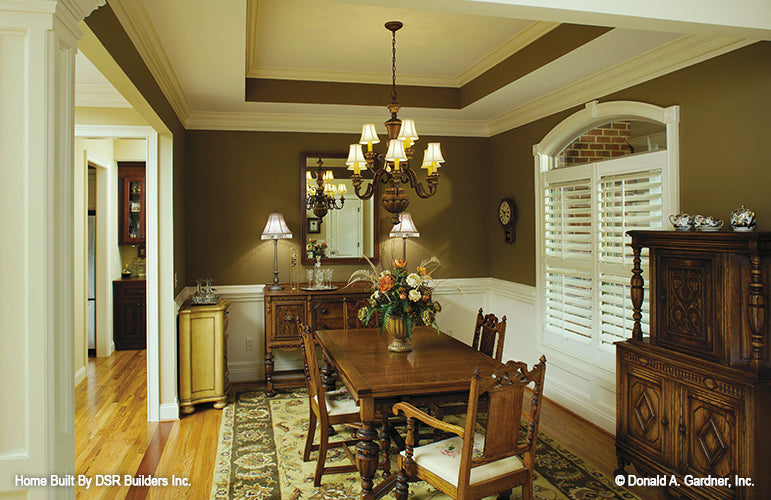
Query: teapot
707 223
743 219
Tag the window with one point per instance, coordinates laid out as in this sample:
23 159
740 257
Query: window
588 201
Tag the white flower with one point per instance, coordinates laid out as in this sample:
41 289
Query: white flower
413 280
414 295
428 282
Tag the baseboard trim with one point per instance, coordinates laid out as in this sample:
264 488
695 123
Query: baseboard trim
80 375
590 414
169 411
244 371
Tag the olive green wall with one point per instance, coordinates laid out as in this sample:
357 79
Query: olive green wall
110 33
725 124
235 179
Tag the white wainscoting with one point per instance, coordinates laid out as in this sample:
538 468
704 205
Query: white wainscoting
583 388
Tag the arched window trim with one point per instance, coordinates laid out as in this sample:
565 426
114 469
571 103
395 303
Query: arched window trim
545 152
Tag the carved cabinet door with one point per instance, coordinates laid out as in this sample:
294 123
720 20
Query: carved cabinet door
285 314
644 408
708 435
686 303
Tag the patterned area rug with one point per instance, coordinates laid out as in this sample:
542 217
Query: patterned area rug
260 457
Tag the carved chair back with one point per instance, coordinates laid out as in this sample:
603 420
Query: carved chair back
489 334
312 373
505 391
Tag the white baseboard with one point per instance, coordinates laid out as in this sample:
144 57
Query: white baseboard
80 375
244 371
579 407
169 411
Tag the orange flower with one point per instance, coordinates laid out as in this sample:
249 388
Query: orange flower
386 283
422 271
400 263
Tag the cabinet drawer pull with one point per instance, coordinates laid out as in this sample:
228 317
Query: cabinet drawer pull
289 317
665 421
681 428
324 310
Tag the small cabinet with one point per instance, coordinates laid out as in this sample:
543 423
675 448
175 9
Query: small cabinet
321 310
129 313
203 359
131 209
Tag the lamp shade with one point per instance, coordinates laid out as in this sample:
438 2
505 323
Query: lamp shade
356 158
276 228
405 228
408 131
369 134
433 154
396 151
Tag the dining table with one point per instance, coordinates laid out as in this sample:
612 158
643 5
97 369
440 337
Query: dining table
437 370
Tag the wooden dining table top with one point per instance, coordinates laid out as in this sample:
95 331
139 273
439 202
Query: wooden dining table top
437 364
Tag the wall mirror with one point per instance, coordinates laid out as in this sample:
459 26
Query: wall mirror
349 232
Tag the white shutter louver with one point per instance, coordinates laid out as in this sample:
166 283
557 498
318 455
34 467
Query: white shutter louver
568 300
568 219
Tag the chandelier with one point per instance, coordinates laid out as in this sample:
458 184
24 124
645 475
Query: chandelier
321 197
393 169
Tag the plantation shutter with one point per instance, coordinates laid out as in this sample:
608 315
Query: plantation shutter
626 201
568 246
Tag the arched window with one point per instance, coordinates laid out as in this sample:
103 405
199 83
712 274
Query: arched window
604 170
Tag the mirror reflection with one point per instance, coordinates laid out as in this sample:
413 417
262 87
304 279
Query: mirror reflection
350 226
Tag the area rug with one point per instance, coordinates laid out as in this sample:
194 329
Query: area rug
260 457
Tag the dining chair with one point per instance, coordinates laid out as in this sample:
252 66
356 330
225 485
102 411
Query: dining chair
326 409
489 334
472 465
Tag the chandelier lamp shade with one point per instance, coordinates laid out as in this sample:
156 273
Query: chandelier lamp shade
321 197
276 229
393 169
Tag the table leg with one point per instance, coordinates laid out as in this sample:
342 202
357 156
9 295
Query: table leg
385 445
328 376
366 458
269 373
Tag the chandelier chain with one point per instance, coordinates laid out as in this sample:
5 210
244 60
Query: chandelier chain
393 66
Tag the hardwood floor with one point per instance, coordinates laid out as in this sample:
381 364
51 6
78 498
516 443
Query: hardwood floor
112 436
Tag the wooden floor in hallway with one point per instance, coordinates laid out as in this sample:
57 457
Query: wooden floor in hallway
113 436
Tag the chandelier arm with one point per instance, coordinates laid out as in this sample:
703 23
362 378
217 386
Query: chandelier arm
418 186
368 192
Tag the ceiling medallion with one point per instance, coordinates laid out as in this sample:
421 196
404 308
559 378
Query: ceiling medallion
393 169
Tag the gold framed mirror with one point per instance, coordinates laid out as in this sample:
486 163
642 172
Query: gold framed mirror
349 232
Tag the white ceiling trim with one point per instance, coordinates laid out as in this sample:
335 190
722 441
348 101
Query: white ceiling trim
678 54
136 21
286 122
522 39
96 95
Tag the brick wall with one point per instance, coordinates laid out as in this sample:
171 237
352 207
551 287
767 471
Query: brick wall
602 143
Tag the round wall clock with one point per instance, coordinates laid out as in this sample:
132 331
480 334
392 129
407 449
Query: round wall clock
507 216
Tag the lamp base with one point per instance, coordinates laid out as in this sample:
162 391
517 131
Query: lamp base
275 287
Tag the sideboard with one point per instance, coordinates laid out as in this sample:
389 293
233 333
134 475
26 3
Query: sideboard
693 396
320 309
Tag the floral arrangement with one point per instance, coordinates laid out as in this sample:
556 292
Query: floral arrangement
399 292
317 248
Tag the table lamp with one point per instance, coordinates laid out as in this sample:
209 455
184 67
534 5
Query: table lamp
276 229
406 229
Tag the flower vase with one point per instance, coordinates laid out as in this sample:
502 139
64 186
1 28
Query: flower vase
317 282
396 326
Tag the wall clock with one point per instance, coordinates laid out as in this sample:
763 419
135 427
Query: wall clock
507 216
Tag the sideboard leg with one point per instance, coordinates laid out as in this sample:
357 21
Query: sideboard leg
621 471
269 373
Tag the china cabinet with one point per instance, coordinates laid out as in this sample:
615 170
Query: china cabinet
692 397
203 354
131 208
321 310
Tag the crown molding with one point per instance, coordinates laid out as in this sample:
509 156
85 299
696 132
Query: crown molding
99 96
137 23
287 122
521 40
677 54
349 77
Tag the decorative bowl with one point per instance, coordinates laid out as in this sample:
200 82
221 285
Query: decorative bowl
681 222
743 219
707 223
